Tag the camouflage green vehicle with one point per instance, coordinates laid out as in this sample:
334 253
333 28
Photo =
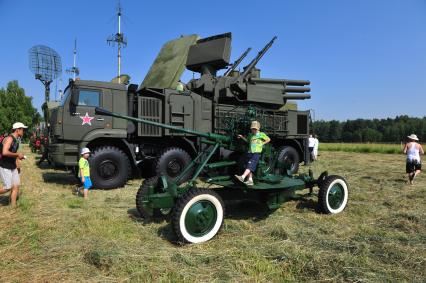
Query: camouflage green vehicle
121 148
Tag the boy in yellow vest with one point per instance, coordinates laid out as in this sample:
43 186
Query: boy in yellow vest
84 171
256 140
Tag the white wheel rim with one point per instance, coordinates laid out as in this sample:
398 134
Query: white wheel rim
219 218
342 206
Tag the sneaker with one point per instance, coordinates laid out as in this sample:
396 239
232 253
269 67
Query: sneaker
77 191
239 178
249 183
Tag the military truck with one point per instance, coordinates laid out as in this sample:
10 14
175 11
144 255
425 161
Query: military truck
121 148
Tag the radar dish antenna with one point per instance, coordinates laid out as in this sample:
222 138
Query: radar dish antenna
45 64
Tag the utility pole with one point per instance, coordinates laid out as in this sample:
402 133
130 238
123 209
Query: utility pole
118 39
74 70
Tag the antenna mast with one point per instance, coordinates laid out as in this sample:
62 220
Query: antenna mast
74 70
118 39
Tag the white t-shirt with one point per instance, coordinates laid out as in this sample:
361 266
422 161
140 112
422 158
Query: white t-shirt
311 142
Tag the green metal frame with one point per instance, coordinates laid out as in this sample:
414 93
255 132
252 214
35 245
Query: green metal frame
277 187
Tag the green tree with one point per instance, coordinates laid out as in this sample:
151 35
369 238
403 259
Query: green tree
16 106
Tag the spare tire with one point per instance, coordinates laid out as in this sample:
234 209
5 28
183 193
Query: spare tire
109 167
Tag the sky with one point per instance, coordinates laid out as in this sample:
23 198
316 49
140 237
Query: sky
364 58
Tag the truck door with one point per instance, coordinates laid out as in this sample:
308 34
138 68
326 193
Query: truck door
81 119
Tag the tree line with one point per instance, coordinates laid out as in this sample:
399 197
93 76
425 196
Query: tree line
390 130
15 106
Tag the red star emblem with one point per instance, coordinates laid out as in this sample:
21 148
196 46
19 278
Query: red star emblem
87 119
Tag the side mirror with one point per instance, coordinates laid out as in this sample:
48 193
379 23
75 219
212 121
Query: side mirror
74 96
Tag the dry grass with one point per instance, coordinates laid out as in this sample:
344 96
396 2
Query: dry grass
381 236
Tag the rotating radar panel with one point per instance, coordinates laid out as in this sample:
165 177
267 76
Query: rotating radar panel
45 63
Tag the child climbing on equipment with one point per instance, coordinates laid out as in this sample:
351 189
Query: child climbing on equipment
256 139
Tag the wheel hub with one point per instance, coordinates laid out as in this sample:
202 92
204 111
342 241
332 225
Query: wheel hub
336 196
201 218
289 163
108 169
174 167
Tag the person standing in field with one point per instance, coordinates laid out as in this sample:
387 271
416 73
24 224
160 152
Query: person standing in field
413 150
84 171
315 150
311 145
9 163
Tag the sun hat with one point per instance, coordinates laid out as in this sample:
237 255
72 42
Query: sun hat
413 137
85 150
255 125
18 125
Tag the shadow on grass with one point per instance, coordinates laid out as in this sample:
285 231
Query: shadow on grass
60 178
246 209
133 214
307 204
165 231
4 200
44 165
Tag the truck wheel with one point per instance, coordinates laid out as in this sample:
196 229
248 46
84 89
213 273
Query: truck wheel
333 195
109 167
144 209
171 162
197 216
289 156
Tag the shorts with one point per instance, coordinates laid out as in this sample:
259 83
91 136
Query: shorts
412 166
9 178
253 160
311 149
87 183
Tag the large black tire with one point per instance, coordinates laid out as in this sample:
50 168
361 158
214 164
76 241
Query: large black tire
333 195
171 162
147 214
109 167
289 155
197 216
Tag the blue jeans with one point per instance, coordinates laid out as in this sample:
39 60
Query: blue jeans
253 161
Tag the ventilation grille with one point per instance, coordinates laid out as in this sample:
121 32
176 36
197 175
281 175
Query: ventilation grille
275 123
149 109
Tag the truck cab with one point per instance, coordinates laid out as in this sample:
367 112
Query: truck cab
74 123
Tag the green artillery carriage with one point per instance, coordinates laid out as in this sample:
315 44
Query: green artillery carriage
197 213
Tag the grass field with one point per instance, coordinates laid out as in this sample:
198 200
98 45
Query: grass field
381 236
363 147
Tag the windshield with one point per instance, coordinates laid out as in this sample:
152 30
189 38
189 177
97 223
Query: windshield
65 97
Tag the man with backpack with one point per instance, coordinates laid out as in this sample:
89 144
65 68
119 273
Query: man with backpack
9 174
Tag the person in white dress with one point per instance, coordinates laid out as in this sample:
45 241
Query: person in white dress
413 165
315 150
311 145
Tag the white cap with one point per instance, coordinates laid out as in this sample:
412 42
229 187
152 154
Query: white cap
18 125
85 150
